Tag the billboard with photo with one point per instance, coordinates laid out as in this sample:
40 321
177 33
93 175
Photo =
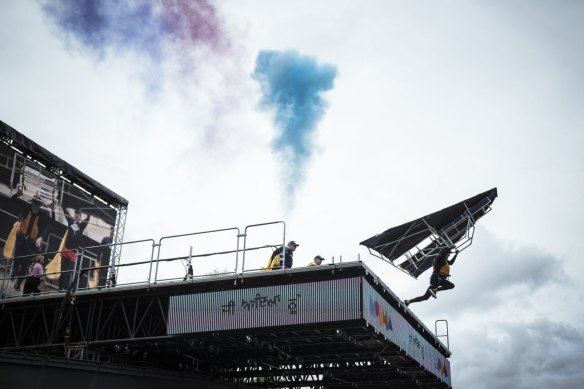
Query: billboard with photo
42 213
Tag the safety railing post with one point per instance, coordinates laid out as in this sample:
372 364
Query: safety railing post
190 234
237 253
154 245
443 335
157 260
259 225
243 254
79 267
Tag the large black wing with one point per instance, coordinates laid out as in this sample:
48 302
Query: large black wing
451 226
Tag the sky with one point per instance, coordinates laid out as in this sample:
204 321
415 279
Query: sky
341 119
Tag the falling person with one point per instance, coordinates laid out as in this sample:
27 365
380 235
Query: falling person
439 278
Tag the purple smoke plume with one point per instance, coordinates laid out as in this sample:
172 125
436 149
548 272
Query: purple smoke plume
144 27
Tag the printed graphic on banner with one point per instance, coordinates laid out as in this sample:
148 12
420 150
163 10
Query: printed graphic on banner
40 214
394 327
265 306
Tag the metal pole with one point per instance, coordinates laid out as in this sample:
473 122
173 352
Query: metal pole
259 225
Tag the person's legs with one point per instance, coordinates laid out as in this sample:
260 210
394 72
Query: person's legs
424 297
21 266
18 271
103 271
19 262
445 285
66 273
36 282
435 281
27 288
84 272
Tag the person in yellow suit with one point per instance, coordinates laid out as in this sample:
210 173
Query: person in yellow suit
277 262
317 261
440 273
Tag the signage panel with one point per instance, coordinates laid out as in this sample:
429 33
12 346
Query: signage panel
311 302
388 321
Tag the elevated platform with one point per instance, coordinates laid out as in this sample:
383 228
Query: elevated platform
330 326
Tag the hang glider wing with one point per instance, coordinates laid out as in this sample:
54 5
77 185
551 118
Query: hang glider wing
412 246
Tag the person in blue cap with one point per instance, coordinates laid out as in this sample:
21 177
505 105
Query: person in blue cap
276 262
317 261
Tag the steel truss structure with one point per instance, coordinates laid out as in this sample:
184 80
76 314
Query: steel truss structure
128 327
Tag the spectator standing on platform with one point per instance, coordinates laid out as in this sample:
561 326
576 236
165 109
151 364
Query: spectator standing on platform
33 279
317 261
72 243
32 230
276 260
439 278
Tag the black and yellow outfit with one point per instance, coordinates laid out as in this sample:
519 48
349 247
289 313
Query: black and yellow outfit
276 261
439 278
441 271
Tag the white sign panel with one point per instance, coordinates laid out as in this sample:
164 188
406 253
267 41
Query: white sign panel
311 302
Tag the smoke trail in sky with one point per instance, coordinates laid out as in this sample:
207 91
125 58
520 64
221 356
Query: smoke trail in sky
144 27
177 43
292 85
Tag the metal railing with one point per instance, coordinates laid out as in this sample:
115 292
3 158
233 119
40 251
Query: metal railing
89 274
442 335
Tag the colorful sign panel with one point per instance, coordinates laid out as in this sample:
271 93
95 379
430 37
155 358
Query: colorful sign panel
389 322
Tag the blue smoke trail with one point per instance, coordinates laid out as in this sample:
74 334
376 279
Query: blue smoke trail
292 85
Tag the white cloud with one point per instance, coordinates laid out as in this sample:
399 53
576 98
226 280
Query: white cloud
433 103
521 355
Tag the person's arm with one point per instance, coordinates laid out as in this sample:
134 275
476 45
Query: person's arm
66 214
43 228
22 213
451 262
84 223
273 257
100 250
276 252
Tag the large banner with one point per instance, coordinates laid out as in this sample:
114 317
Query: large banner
41 213
388 321
311 302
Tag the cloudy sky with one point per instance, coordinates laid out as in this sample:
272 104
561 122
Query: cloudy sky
342 119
